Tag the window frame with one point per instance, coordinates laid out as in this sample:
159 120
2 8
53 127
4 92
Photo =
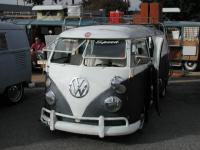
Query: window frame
5 41
134 56
91 41
69 53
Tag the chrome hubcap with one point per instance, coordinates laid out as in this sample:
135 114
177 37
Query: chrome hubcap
190 64
14 93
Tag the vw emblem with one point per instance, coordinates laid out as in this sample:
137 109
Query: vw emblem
79 87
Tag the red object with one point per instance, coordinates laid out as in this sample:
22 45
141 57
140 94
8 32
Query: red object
116 17
37 46
154 13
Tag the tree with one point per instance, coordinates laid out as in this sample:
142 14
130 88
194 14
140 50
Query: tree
34 2
189 8
108 5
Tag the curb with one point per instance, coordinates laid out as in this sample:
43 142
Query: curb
173 81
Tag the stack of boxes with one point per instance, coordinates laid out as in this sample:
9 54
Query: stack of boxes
149 14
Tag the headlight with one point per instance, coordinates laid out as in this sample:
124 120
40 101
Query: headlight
117 86
112 104
50 97
48 82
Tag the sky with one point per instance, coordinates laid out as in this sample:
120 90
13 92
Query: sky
134 3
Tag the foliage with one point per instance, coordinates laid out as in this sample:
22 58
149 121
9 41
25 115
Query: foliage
190 9
108 5
34 2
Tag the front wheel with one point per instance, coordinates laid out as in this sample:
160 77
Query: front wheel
14 93
190 65
163 87
143 118
142 121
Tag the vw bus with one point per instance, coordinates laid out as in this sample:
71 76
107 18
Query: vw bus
15 62
100 78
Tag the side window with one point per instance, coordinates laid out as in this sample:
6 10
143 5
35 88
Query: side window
139 53
142 49
3 43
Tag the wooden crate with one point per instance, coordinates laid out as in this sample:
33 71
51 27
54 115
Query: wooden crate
190 43
174 42
175 53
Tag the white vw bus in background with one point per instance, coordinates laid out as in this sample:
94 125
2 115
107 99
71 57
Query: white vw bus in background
100 78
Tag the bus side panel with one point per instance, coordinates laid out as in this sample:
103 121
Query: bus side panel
15 62
20 48
164 62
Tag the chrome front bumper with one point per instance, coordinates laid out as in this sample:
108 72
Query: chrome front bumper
80 128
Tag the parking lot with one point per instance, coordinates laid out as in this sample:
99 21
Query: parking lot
177 128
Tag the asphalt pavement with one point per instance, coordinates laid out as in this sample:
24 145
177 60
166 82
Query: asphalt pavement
178 127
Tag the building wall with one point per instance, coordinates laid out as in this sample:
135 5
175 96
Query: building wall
59 16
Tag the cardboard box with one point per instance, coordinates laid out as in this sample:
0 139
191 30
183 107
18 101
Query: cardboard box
174 42
190 43
143 16
154 13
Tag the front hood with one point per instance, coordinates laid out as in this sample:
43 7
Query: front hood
98 79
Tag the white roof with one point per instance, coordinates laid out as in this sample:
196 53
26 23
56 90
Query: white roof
109 32
49 7
171 10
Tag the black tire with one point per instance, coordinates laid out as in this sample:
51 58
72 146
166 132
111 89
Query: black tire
163 88
163 92
14 94
143 119
190 65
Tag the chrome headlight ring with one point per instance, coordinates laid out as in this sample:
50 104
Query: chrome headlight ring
113 104
48 82
117 86
50 97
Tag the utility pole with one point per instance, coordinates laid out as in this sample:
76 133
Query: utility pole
72 2
17 2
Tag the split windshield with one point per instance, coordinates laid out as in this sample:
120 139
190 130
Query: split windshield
90 52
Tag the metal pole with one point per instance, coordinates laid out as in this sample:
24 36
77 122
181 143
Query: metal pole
72 2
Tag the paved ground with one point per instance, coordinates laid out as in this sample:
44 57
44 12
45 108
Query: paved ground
177 129
38 77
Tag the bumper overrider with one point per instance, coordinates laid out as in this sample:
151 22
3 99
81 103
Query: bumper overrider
49 117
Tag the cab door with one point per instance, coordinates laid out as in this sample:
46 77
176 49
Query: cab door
156 57
3 61
140 63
